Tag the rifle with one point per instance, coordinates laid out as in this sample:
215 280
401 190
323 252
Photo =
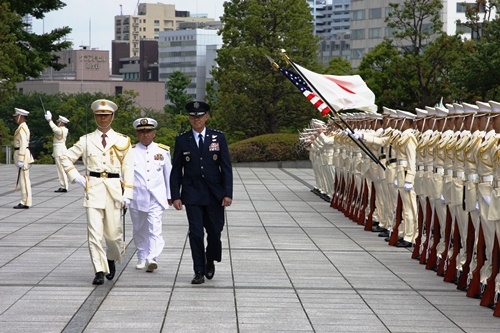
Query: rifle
462 279
429 222
397 218
447 240
474 290
420 226
451 270
124 211
18 176
369 220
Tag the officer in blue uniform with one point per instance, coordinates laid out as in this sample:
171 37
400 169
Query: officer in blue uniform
202 180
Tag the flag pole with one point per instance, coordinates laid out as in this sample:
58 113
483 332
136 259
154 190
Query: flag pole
359 143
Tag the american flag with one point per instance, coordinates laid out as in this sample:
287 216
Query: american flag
299 82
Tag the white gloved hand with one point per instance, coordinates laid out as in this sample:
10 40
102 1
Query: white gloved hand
81 180
125 202
442 199
48 115
395 182
347 131
477 206
408 186
20 164
487 199
356 135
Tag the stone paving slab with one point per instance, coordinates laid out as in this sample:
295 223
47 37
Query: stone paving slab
290 264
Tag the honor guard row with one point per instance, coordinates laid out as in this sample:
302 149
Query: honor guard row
434 187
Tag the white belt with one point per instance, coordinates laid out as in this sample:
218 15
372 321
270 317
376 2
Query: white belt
473 178
487 179
403 163
449 172
429 168
439 170
420 168
461 175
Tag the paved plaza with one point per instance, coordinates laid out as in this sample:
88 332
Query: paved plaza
290 264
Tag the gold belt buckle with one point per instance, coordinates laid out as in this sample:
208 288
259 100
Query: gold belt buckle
104 174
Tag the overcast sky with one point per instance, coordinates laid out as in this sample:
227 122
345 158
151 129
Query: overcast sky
92 21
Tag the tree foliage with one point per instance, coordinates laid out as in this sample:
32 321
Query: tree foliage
176 91
250 98
22 53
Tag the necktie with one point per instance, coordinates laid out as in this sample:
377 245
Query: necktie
103 140
200 142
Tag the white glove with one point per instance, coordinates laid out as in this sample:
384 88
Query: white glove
20 164
477 206
408 186
356 135
442 199
347 131
487 198
396 182
125 202
81 180
48 115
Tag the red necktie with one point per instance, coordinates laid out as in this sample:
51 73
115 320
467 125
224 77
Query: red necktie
103 140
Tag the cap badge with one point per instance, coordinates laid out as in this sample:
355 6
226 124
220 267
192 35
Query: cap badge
103 103
144 121
196 105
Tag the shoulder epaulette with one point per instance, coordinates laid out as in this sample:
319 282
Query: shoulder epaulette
217 131
125 136
182 133
161 145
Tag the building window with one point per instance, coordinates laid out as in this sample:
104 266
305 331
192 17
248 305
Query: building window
358 15
463 29
375 13
358 34
375 33
462 6
357 53
118 90
157 23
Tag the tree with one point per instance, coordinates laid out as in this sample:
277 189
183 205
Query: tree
251 99
339 66
473 71
22 53
176 91
421 74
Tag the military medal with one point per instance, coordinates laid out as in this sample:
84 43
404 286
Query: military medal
215 157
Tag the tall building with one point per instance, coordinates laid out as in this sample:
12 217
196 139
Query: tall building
150 20
331 24
192 52
368 26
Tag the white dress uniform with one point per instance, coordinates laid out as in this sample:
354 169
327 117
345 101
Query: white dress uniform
22 154
110 180
59 149
152 166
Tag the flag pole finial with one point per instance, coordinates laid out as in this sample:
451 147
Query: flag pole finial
283 54
273 63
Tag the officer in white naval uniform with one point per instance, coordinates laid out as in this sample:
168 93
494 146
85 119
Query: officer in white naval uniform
59 148
152 166
108 186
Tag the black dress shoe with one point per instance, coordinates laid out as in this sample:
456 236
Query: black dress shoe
378 229
60 189
403 243
112 270
210 270
21 206
384 233
198 278
99 278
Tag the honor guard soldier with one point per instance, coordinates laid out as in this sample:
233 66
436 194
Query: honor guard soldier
202 180
152 168
108 186
23 158
59 148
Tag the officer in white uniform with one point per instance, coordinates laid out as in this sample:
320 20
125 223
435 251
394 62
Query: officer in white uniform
152 166
108 185
23 158
59 148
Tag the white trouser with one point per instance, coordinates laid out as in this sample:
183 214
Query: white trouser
148 237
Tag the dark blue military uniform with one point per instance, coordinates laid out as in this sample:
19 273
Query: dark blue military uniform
201 180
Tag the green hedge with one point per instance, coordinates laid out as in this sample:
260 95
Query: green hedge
268 147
